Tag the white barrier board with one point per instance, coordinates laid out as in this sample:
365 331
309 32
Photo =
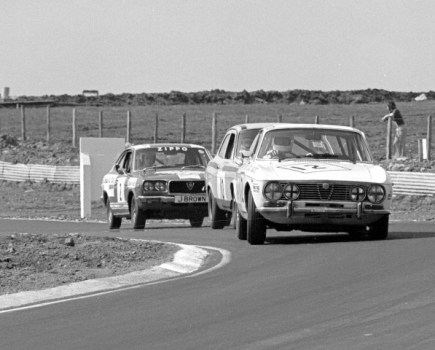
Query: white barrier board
97 156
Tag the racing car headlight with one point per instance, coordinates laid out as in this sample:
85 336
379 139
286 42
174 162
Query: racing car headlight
376 193
272 191
357 194
291 191
148 186
160 186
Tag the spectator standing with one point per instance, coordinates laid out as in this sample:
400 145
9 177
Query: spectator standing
400 136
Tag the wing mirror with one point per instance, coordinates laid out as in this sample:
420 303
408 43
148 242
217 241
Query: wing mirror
119 170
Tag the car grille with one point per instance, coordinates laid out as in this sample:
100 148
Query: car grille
187 187
317 191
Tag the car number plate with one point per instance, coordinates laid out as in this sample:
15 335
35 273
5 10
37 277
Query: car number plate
189 198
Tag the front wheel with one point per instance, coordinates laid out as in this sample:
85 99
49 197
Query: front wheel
256 225
379 229
216 215
112 220
137 216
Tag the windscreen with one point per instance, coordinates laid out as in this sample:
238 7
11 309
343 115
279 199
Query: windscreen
170 156
314 143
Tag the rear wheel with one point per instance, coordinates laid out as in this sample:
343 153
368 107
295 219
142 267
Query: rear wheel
234 214
113 221
256 225
196 221
216 215
379 230
137 216
240 224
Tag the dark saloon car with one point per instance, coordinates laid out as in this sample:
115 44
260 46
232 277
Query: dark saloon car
157 181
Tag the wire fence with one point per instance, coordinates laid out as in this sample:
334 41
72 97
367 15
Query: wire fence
192 125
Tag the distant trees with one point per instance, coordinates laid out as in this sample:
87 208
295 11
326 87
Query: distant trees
218 96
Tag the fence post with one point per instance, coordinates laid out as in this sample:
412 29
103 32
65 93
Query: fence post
316 120
352 121
420 149
74 128
183 128
156 128
429 136
100 124
128 126
279 118
23 123
48 123
246 119
213 133
389 128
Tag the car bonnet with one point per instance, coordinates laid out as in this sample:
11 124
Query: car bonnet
319 170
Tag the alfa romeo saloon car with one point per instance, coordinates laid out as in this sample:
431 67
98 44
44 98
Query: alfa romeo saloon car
221 172
311 177
156 181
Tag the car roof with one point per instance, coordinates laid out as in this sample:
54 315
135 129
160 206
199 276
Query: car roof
154 145
277 126
248 126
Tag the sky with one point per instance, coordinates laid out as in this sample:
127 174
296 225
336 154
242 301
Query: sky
54 47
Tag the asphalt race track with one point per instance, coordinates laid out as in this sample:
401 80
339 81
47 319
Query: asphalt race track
298 291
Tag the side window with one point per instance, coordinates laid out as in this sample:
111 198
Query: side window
224 145
230 148
121 159
127 162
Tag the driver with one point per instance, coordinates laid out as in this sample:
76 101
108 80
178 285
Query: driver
147 159
281 148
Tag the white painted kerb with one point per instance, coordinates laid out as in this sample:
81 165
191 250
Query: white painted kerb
187 260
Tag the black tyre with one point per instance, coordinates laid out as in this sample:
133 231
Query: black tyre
196 221
256 225
234 214
379 230
216 215
113 221
358 234
240 224
137 216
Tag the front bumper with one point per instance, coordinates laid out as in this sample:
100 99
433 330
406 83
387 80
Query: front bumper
320 212
166 207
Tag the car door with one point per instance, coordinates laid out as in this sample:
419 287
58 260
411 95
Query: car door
226 171
214 170
120 204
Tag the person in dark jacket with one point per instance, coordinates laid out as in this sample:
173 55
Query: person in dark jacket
400 136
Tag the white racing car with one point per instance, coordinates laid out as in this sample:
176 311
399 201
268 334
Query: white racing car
220 173
311 177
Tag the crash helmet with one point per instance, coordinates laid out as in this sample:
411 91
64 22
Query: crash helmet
282 143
